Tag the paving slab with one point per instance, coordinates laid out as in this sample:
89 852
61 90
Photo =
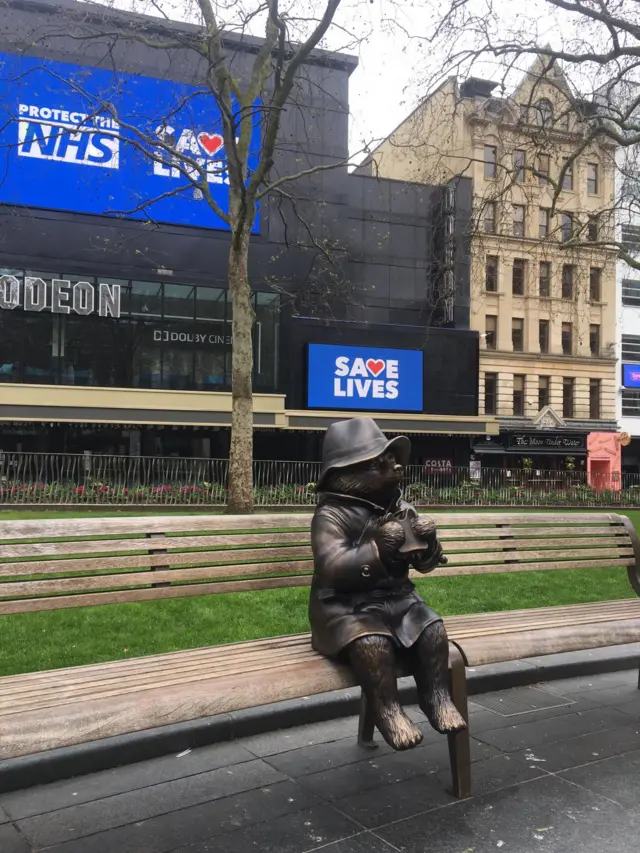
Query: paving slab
188 826
546 815
84 789
617 778
11 841
306 830
389 769
554 780
552 729
584 749
121 809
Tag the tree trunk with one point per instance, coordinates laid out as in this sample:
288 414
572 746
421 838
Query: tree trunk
240 496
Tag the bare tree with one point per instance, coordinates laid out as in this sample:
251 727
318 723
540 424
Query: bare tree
251 100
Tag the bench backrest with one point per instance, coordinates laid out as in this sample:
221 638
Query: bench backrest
61 563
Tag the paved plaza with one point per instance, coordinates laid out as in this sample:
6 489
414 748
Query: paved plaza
563 778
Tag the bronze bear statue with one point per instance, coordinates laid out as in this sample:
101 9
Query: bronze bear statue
363 607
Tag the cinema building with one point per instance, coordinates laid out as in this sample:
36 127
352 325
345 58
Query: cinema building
115 332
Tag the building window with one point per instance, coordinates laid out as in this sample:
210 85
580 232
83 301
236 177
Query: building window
594 399
543 392
567 180
594 339
491 273
566 225
168 335
543 335
518 220
544 278
518 166
524 113
630 291
517 334
593 229
567 397
630 236
518 395
631 348
490 161
490 331
490 393
518 275
544 113
490 217
593 184
543 170
631 403
595 289
543 230
567 339
567 281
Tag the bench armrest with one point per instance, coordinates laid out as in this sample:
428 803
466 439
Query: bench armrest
634 570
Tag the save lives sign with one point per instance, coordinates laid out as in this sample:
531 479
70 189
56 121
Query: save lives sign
369 378
90 140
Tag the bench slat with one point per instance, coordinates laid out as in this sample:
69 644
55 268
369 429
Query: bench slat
456 625
579 531
50 528
526 644
191 668
521 554
61 567
124 596
130 579
250 555
460 564
506 568
100 546
213 691
523 518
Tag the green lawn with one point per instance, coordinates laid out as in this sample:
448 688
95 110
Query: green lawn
35 641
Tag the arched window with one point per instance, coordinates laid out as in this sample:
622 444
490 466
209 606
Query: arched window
544 113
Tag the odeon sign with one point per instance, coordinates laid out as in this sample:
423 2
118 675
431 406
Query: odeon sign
61 297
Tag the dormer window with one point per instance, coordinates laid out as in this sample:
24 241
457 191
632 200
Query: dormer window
544 113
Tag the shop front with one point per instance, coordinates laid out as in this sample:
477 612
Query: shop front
548 455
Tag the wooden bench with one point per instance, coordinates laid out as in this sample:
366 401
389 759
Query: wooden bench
53 564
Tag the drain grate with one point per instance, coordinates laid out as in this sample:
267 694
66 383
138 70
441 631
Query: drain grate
521 700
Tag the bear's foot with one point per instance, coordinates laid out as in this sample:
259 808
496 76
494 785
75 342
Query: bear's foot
397 729
443 714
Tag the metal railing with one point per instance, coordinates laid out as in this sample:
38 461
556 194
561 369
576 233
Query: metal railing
97 480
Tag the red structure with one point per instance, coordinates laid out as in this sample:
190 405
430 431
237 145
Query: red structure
604 460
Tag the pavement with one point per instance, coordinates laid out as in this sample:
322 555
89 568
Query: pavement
556 770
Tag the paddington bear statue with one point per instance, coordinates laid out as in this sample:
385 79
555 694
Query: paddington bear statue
363 607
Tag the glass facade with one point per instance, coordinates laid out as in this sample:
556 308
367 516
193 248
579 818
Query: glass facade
168 335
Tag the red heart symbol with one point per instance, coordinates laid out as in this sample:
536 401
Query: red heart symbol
375 366
211 142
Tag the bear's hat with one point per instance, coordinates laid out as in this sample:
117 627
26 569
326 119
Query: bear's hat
358 440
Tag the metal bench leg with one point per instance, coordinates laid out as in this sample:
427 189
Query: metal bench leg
366 725
459 743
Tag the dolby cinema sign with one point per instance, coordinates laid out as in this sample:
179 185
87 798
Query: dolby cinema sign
60 296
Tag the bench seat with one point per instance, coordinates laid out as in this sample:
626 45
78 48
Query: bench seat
48 710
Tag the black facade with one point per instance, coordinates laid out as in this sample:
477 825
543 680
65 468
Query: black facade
399 275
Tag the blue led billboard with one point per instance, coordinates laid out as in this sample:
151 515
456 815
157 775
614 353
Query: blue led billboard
76 138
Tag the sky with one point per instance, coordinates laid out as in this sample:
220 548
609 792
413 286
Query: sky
396 62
